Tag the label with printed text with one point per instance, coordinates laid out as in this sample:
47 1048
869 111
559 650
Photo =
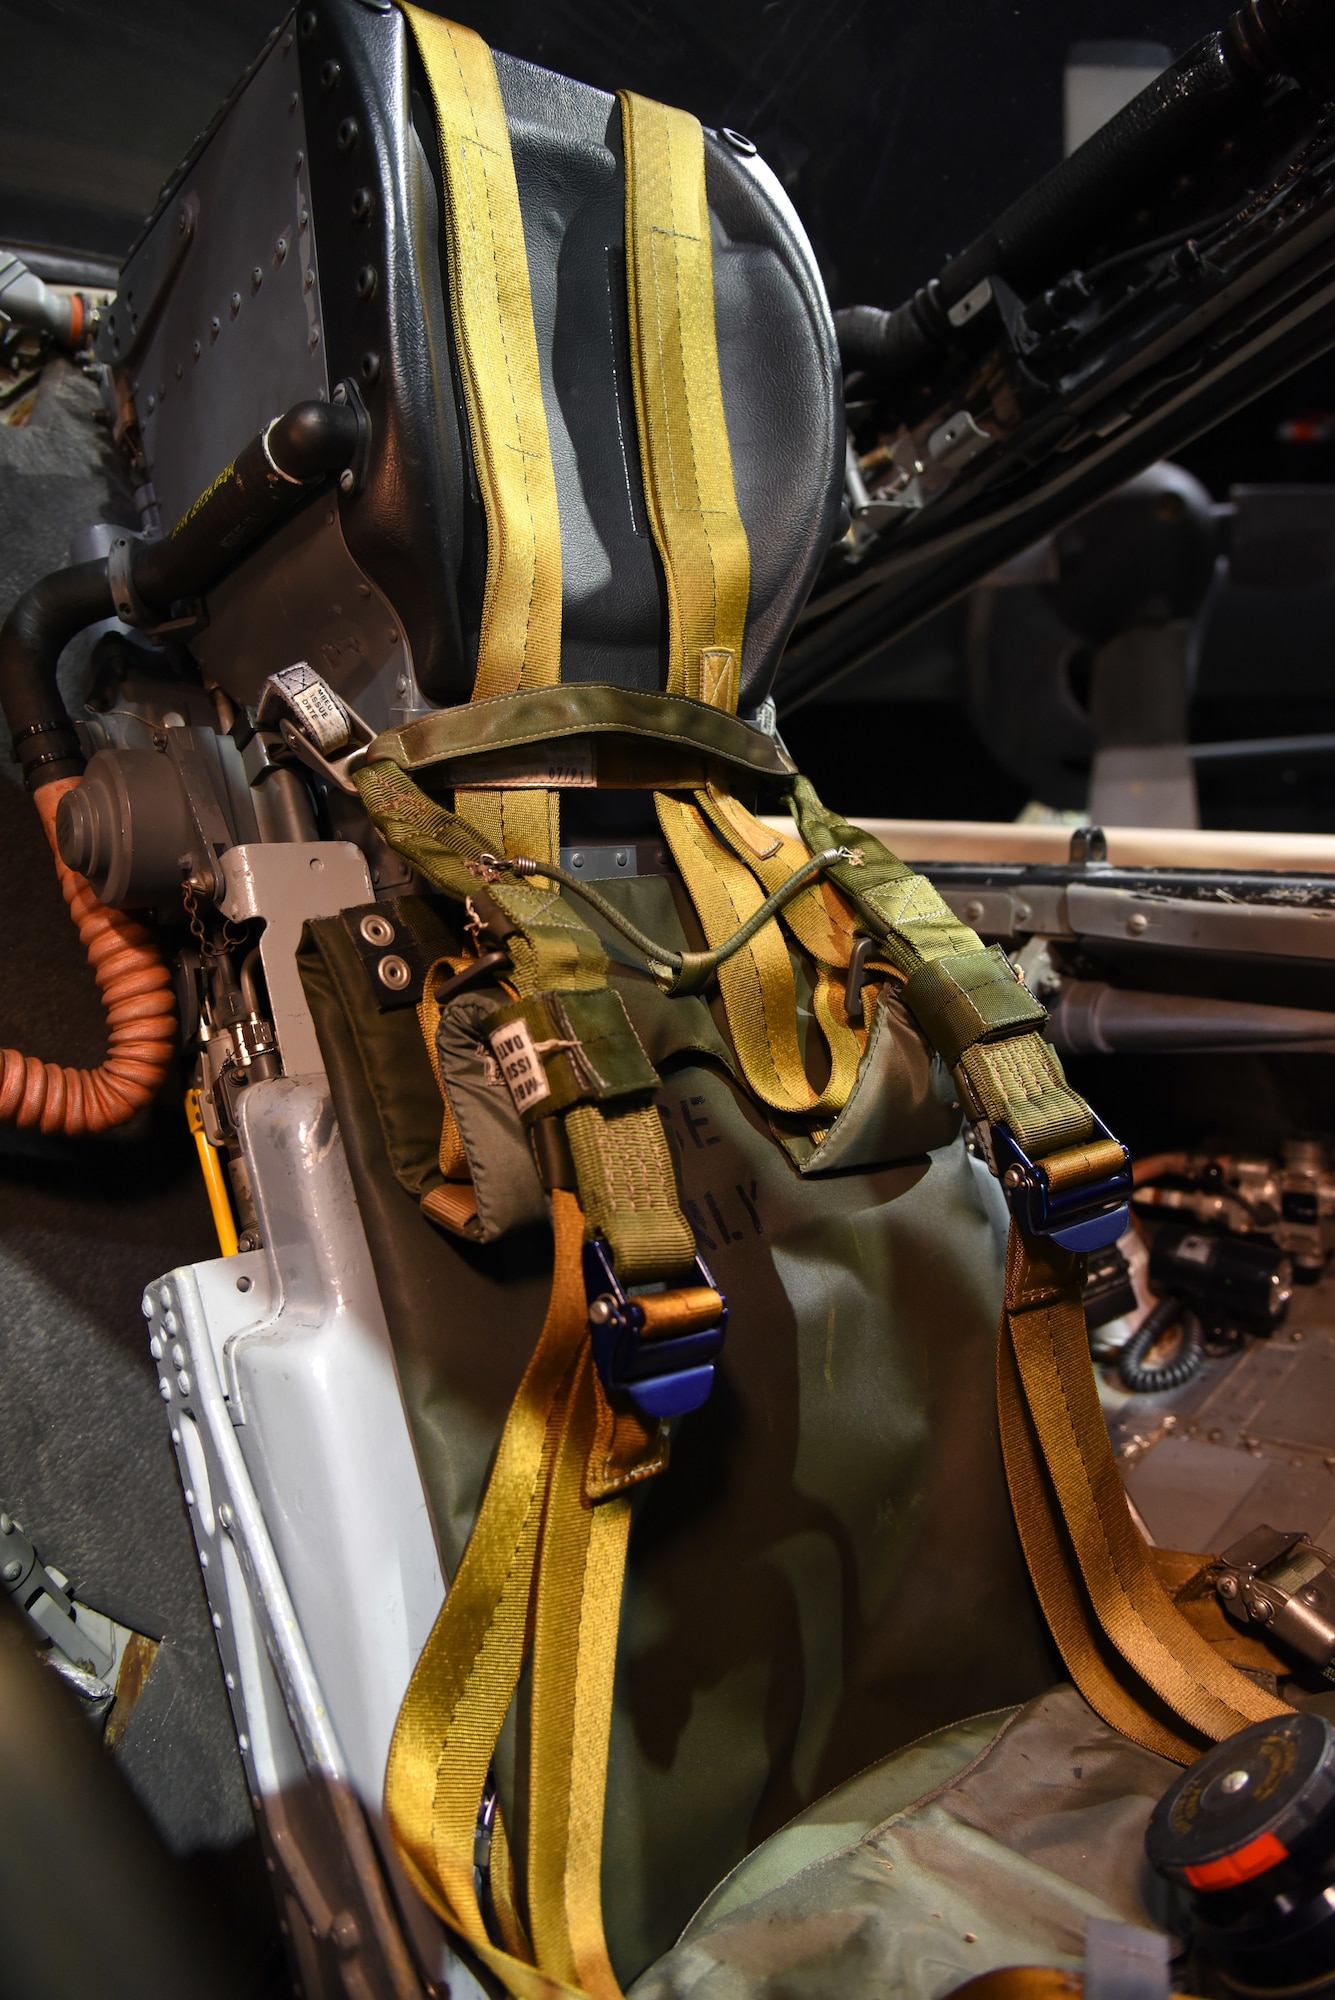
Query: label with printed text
520 1065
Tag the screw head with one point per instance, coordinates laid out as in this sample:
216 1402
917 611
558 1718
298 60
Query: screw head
1228 1586
370 368
361 204
348 134
366 281
13 1571
347 480
330 74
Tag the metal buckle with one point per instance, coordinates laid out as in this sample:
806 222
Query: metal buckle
1081 1218
665 1377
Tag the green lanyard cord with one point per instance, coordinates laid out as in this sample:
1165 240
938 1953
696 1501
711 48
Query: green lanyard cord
678 971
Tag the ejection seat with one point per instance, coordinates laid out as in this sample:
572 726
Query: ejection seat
571 367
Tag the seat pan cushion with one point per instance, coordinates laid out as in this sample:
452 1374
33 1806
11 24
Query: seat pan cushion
986 1844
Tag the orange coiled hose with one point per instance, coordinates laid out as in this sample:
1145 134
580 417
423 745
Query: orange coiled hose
141 1017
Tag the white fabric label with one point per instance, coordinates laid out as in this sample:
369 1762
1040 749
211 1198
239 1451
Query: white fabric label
322 717
521 1065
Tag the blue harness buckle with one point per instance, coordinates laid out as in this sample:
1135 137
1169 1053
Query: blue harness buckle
665 1373
1078 1218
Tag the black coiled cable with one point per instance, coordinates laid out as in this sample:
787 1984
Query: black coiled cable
1186 1362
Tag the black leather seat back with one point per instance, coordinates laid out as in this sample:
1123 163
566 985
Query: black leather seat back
394 570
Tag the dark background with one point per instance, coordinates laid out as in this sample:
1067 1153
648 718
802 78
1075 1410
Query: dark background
898 128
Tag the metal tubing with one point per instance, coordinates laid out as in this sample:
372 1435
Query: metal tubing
1092 1018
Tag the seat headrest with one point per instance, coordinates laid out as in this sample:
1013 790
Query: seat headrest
314 256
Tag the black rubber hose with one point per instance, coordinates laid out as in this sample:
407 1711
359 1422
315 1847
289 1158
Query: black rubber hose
1179 112
1186 1362
277 472
35 635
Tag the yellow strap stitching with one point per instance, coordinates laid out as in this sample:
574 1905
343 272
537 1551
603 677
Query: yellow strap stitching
491 307
684 449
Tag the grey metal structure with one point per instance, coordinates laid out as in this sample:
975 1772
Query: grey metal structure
309 1517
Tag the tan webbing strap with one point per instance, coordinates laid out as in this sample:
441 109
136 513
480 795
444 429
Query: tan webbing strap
519 645
1127 1647
543 1555
684 451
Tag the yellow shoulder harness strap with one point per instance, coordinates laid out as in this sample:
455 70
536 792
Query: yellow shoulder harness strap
491 307
684 451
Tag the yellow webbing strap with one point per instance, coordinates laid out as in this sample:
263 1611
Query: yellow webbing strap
519 646
1128 1648
547 1553
684 451
757 983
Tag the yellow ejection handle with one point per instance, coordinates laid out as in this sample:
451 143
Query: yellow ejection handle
214 1180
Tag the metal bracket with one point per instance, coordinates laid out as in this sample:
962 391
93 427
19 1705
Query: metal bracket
1081 1218
665 1376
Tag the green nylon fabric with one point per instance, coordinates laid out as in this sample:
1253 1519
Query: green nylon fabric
989 1844
607 1060
829 1567
969 997
540 716
626 1186
1018 1080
